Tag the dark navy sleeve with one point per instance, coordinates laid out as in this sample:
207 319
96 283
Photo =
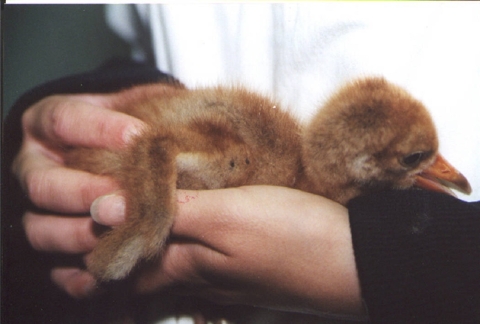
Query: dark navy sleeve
418 256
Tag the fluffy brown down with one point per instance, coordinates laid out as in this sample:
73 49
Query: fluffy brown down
227 137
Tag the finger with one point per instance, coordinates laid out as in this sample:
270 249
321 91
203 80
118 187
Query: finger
51 233
75 282
109 210
74 122
48 189
51 186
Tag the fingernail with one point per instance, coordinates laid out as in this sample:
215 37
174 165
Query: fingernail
109 210
130 133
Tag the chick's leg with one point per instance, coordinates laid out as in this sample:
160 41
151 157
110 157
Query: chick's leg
146 171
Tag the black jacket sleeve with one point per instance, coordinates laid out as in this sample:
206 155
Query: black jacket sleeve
418 257
28 295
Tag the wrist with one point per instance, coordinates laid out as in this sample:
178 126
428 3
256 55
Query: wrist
333 285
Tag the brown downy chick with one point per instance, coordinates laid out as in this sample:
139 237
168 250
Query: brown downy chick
373 135
370 135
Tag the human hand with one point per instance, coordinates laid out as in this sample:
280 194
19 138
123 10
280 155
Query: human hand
264 246
261 245
50 126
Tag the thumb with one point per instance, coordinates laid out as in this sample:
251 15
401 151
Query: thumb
109 210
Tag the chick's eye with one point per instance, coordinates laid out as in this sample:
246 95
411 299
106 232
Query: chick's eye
412 160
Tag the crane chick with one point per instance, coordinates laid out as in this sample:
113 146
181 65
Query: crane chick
373 135
370 135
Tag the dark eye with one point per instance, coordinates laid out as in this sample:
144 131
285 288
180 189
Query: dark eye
413 159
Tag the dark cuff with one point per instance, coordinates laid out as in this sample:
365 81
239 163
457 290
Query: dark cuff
418 257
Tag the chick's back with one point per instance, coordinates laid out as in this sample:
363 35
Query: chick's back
226 136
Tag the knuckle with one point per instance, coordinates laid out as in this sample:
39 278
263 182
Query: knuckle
30 232
83 238
117 129
58 118
102 128
86 192
105 130
35 112
35 184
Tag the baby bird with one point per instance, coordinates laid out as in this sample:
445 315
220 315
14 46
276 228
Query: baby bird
370 135
373 135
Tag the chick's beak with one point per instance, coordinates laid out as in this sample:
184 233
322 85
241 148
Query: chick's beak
441 176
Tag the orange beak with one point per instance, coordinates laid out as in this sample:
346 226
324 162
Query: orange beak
441 176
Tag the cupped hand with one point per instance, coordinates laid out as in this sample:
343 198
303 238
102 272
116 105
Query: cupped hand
50 126
264 246
260 245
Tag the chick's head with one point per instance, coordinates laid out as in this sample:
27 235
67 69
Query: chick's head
371 134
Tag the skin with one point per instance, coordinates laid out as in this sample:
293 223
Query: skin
218 235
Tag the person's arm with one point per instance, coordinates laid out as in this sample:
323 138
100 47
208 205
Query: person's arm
418 256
